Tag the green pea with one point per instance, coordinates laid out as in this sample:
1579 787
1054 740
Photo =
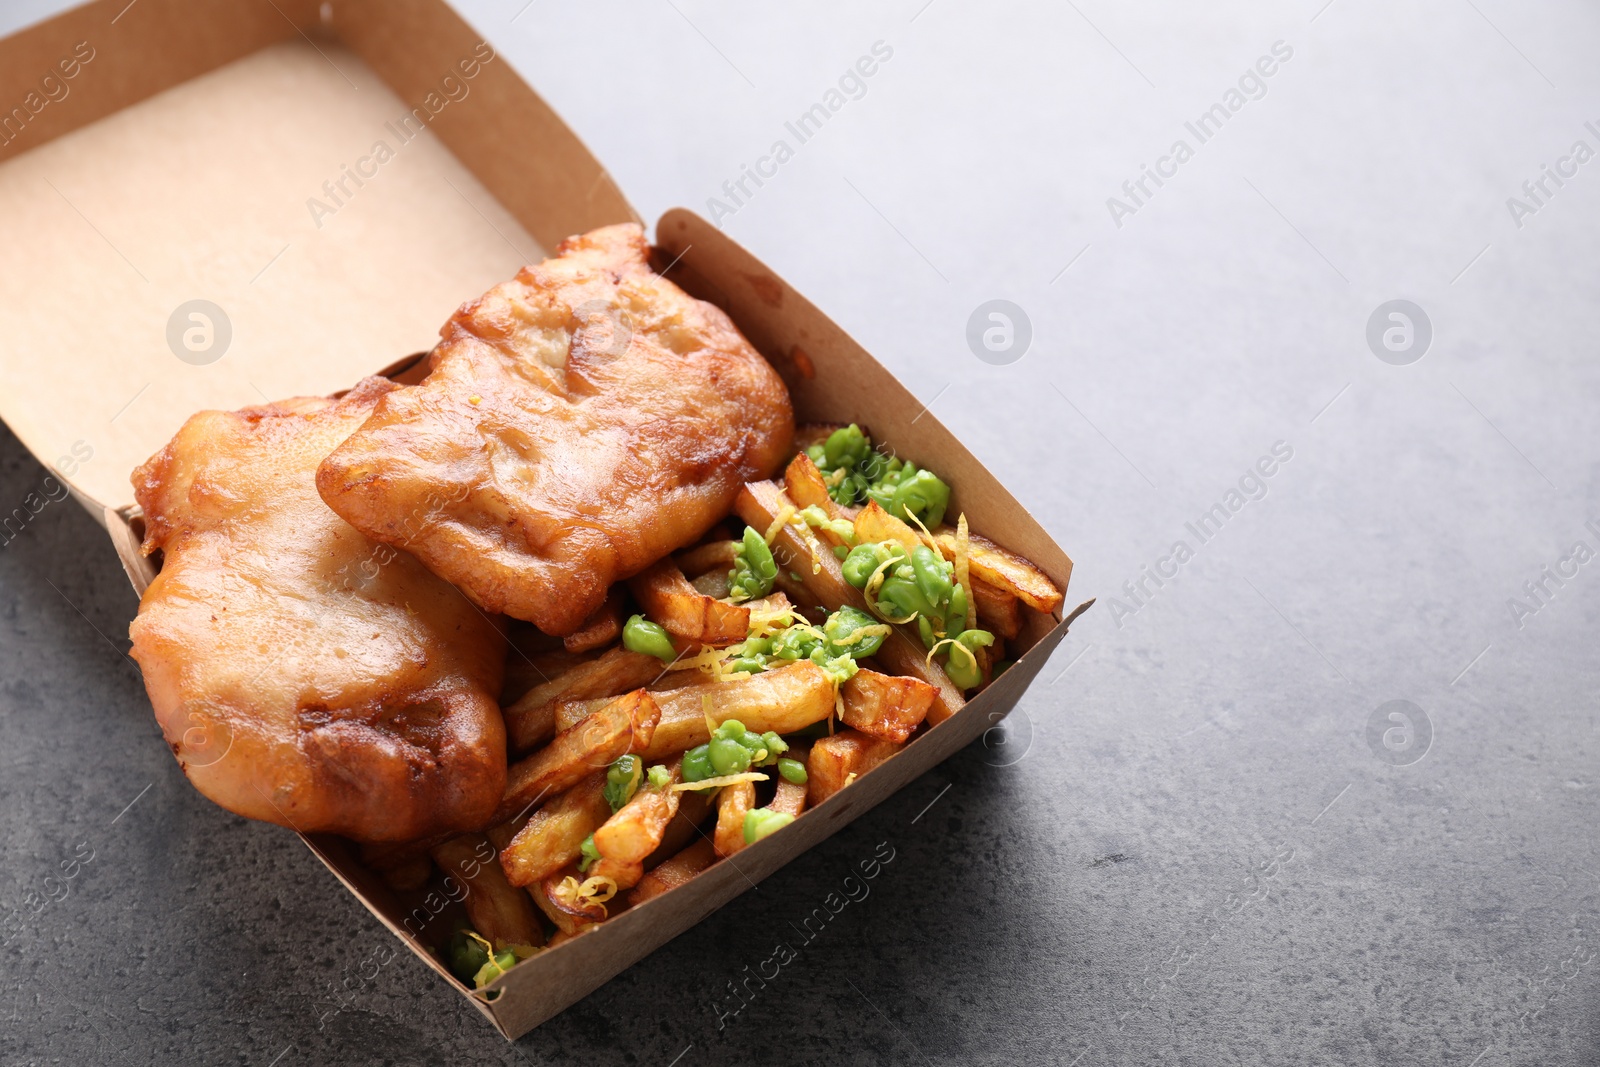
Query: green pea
794 643
659 777
758 646
842 624
976 639
754 569
731 728
849 490
696 765
932 574
840 552
859 564
728 756
589 852
792 770
622 780
839 669
905 598
747 665
759 822
877 466
642 635
962 670
502 962
956 617
465 956
923 495
925 631
818 455
846 447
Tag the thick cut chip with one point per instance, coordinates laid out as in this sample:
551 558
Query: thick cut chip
683 611
553 836
577 424
674 872
1004 570
886 706
302 673
837 761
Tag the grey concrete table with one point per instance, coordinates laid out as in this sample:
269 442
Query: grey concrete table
1209 834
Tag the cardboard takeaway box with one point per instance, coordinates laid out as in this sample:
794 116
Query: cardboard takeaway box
334 180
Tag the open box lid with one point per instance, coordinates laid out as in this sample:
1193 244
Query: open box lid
332 180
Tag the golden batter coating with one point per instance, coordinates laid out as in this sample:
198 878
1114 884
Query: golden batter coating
303 673
576 425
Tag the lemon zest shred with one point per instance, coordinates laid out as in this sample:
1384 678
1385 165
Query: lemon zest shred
963 569
705 709
924 534
786 513
594 886
808 537
864 633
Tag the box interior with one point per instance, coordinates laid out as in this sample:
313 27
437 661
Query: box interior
243 185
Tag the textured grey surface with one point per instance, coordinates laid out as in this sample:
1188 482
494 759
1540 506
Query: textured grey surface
1187 851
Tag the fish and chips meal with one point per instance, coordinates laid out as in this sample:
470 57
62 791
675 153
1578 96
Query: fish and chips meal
570 621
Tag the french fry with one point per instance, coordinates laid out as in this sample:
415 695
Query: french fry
683 829
532 719
790 798
999 612
714 555
1004 570
874 524
524 670
886 706
668 599
674 871
733 801
499 911
626 724
602 628
807 488
571 915
626 875
636 829
902 653
838 760
553 835
783 700
714 584
571 712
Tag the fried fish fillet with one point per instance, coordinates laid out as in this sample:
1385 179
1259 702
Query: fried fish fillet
577 424
302 673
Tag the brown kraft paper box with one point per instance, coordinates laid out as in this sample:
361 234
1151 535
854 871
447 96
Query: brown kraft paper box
215 205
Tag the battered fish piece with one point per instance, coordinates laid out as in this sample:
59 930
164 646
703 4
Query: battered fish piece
304 674
576 425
